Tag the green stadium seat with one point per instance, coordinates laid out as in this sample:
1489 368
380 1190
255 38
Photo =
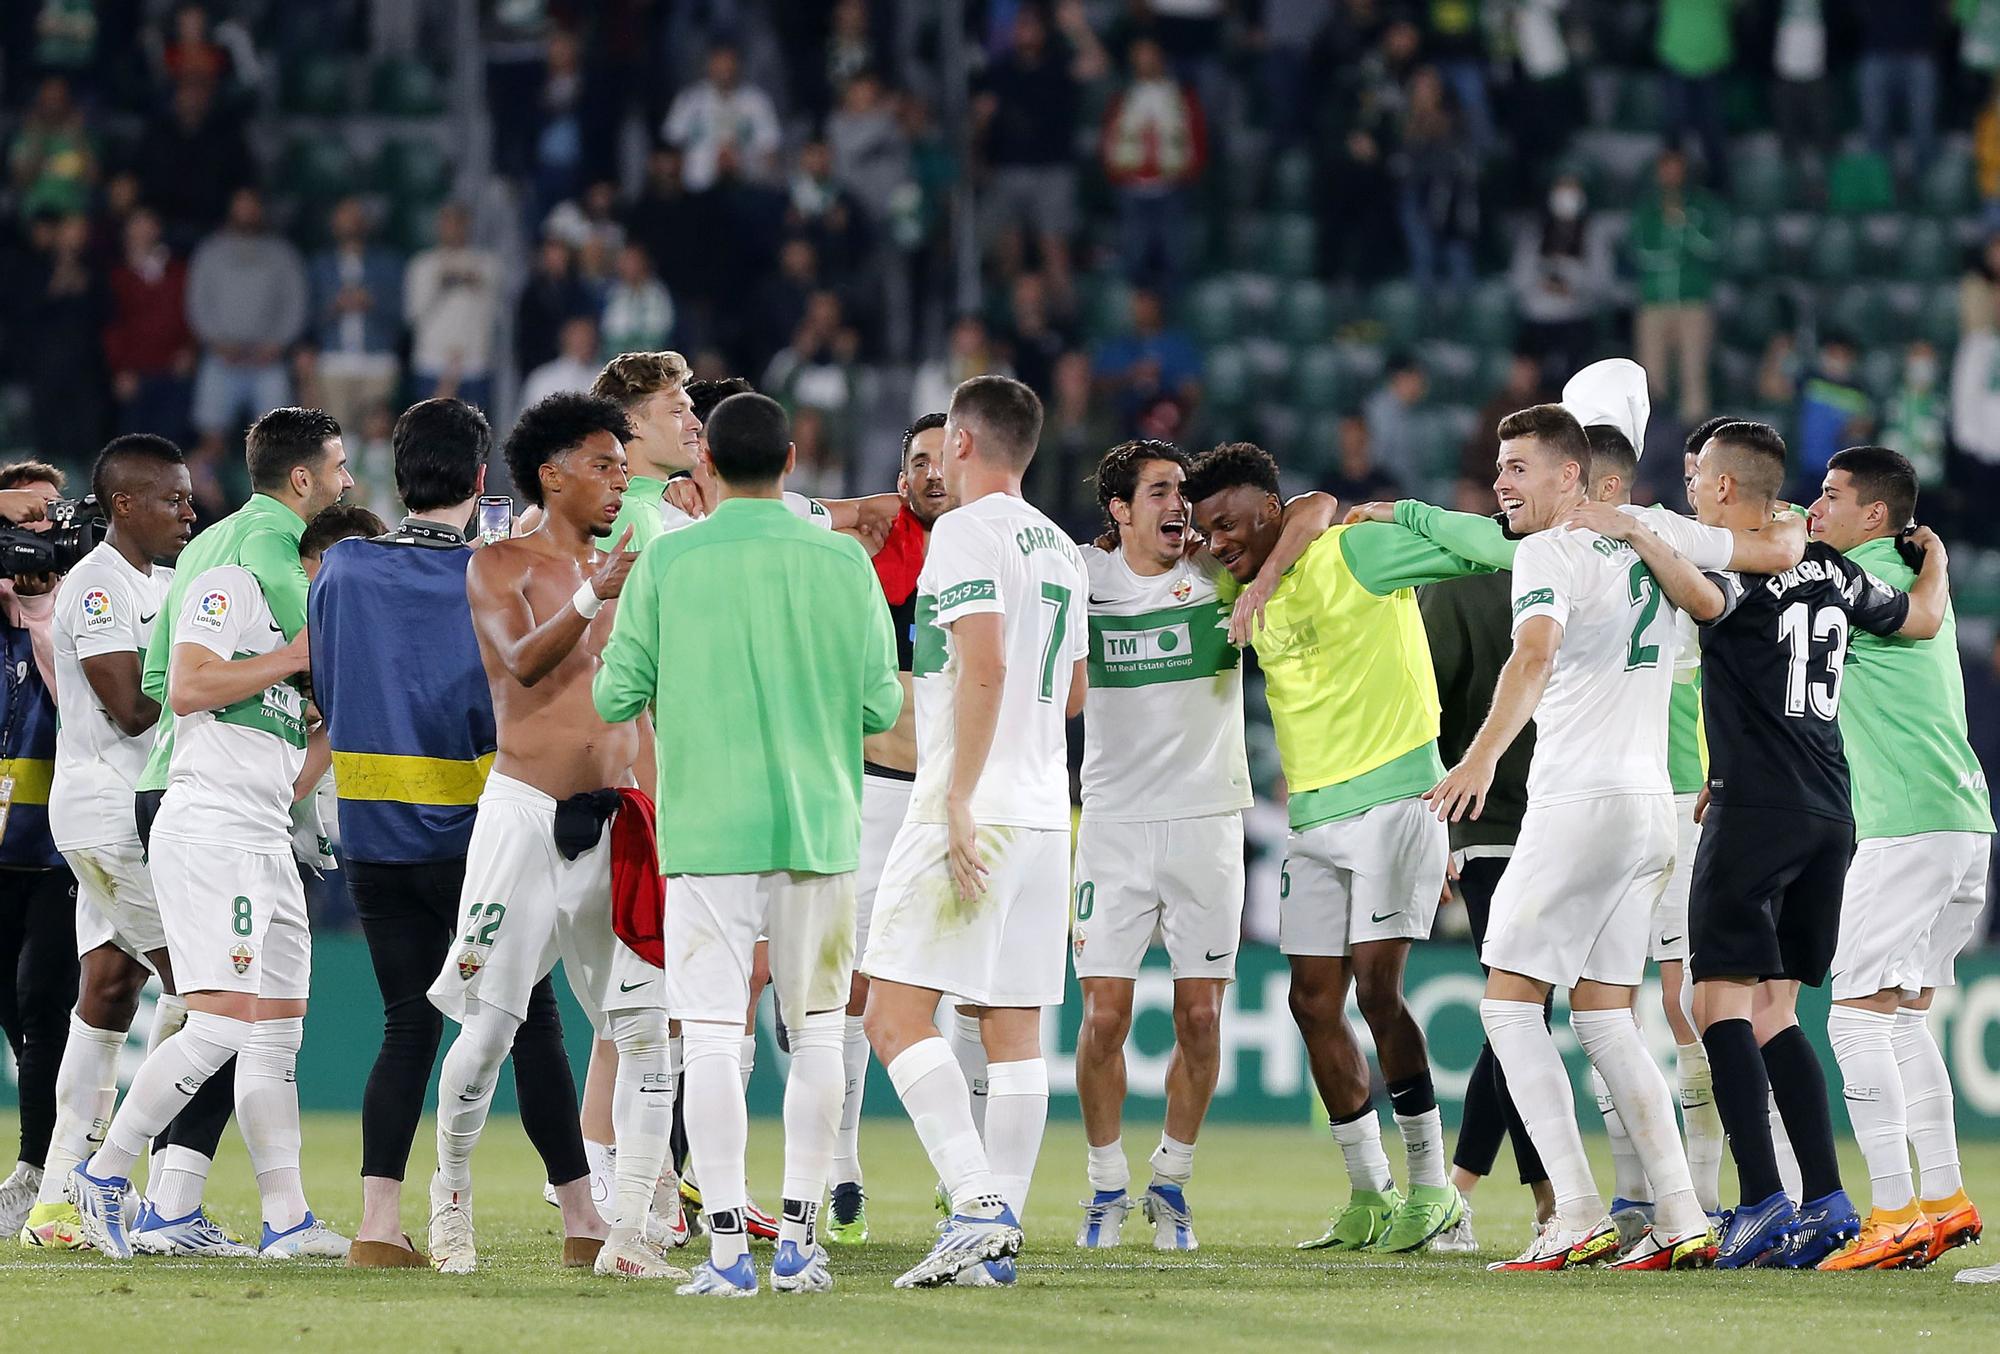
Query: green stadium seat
1750 316
1749 252
1278 427
1250 242
1735 377
1761 185
1928 253
1854 310
1319 378
412 227
1488 321
1641 102
1792 238
1305 313
1294 245
1364 364
1441 434
1881 370
1257 296
1882 243
317 169
1292 181
1319 444
1946 187
1226 378
1398 307
413 170
1270 363
1902 312
1860 182
405 88
1938 321
316 85
1210 310
1452 367
1107 307
1836 252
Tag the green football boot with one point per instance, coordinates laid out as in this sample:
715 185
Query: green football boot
1358 1225
1426 1212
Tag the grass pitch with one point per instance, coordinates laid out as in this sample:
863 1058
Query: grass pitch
1256 1190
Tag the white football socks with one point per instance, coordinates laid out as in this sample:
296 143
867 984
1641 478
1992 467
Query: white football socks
1361 1151
1701 1123
86 1090
1628 1177
814 1084
718 1130
749 1059
1928 1102
1645 1107
1540 1086
1106 1167
969 1048
1864 1044
176 1178
1423 1146
642 1114
1017 1111
165 1083
1788 1162
466 1080
267 1113
1173 1161
854 1072
933 1090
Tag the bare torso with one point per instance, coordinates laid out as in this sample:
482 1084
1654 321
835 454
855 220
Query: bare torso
896 748
549 733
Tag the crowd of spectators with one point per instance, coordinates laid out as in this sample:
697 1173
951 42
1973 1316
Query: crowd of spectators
776 190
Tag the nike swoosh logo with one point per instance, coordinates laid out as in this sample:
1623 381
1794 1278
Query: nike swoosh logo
1100 601
1671 940
147 620
656 1090
471 1099
1386 915
633 987
278 630
1211 958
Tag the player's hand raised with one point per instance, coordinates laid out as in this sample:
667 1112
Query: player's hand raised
685 494
1377 511
968 871
1463 788
1602 518
1248 617
607 580
1929 542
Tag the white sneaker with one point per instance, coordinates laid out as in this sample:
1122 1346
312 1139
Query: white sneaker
452 1251
797 1271
985 1231
310 1240
1166 1207
1103 1219
1984 1274
629 1257
1549 1250
17 1197
195 1234
603 1161
1457 1239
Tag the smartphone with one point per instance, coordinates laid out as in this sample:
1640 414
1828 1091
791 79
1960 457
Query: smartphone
496 518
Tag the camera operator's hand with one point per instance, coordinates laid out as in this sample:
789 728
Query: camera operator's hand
21 506
34 585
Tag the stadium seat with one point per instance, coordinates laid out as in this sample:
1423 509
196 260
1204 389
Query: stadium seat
1853 309
1452 367
1641 101
1488 319
1762 184
1226 378
1250 242
1836 252
1881 369
412 170
1364 364
1278 427
1860 182
1319 377
1107 306
405 88
1938 321
1319 444
412 227
1294 245
1793 236
316 168
1292 181
316 85
1305 313
1398 307
1881 235
1210 310
1257 297
1749 253
1751 315
1902 312
1927 251
1946 185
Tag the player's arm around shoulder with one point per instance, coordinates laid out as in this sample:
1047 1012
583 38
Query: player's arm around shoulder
1930 595
203 673
1681 578
274 561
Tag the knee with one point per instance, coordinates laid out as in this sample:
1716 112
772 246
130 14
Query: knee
821 1030
1105 1024
1380 999
1315 1003
703 1040
1198 1024
639 1034
412 1021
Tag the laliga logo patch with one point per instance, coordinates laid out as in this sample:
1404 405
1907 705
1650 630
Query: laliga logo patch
469 965
241 956
96 609
212 610
1079 944
1183 589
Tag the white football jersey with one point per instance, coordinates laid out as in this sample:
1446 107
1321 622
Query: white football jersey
230 779
104 606
1163 722
1601 726
999 554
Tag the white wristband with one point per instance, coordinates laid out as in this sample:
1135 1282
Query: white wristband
586 601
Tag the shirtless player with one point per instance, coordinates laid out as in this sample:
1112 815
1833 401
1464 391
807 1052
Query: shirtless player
538 869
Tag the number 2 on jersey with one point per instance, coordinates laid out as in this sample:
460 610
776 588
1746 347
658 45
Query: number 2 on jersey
1645 594
1056 596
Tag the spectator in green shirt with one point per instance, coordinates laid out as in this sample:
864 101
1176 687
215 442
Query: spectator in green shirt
765 644
53 161
1695 49
1676 240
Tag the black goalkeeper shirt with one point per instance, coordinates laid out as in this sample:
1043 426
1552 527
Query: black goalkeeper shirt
1770 681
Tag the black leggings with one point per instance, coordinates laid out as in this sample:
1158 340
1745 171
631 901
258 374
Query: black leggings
38 978
409 914
1489 1111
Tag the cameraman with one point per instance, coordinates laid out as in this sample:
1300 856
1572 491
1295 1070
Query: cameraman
38 969
396 673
